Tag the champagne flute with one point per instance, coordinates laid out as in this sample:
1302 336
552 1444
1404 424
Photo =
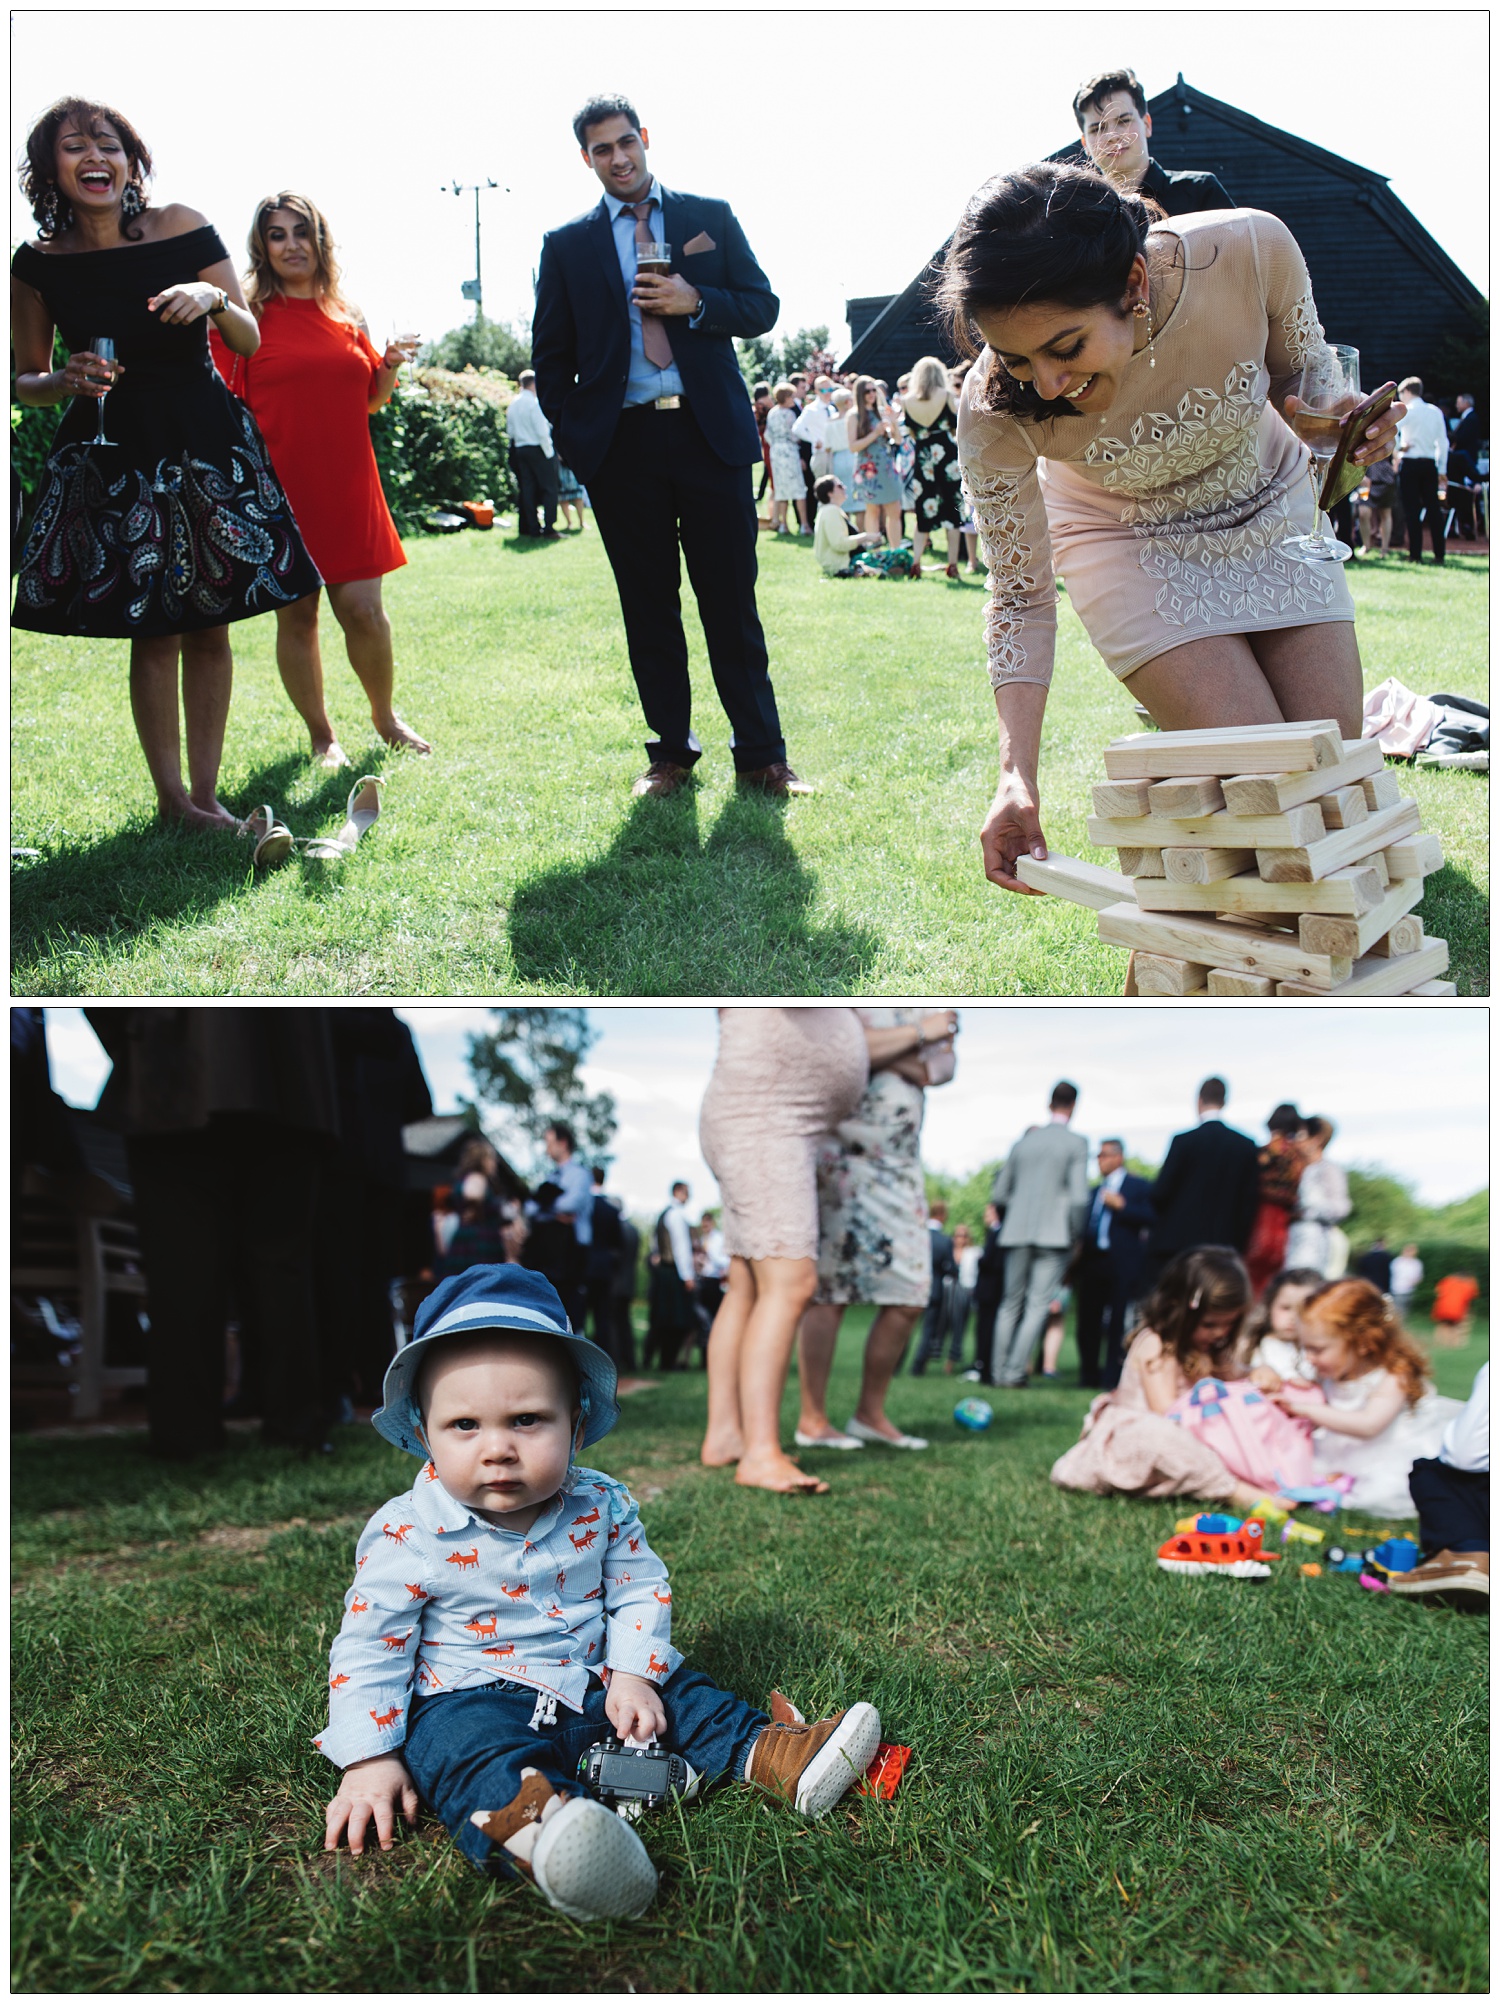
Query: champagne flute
104 349
1327 391
409 343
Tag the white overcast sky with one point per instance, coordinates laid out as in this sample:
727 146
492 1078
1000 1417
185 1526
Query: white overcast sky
1407 1087
842 189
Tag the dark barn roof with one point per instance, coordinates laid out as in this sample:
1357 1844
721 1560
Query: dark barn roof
1380 281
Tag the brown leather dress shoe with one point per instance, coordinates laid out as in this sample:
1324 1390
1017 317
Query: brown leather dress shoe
661 779
778 780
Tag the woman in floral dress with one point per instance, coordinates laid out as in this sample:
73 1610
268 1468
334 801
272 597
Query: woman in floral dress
788 481
1123 422
873 440
873 1241
929 415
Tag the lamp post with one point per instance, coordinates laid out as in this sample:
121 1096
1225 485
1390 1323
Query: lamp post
473 288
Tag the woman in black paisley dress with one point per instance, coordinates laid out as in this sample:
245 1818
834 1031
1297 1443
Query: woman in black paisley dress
180 526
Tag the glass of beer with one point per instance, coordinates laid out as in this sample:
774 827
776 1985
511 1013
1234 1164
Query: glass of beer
653 260
1327 391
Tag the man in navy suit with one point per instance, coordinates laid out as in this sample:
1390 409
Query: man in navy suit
1111 1265
1208 1189
638 377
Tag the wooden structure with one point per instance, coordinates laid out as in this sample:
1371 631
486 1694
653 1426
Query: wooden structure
1274 860
1382 283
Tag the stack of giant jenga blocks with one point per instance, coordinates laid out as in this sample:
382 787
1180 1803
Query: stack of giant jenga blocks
1278 859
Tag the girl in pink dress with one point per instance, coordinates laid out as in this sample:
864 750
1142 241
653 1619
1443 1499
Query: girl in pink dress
1185 1419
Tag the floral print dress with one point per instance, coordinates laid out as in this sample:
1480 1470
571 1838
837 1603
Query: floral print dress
873 1241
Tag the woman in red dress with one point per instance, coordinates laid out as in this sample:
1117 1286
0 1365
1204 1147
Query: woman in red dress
1280 1172
312 385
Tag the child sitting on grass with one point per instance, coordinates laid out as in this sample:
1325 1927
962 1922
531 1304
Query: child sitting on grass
834 542
1134 1443
1374 1407
1274 1328
508 1584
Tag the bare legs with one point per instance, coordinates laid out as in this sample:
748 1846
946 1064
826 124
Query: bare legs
207 676
367 640
748 1355
889 1335
1292 675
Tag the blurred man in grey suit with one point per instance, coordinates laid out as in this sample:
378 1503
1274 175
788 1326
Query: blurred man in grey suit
1043 1190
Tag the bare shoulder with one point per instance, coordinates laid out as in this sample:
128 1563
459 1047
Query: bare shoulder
1145 1346
176 219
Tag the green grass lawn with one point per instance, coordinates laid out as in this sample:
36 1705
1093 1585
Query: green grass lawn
1121 1780
514 861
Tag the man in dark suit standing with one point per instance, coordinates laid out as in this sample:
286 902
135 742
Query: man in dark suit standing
603 1257
636 372
1116 132
1209 1186
1111 1265
944 1267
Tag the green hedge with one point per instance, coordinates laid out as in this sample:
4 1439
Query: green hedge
443 440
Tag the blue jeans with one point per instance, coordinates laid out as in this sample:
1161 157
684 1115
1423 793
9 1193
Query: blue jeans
465 1749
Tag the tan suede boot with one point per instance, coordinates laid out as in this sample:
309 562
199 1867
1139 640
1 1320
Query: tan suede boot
812 1766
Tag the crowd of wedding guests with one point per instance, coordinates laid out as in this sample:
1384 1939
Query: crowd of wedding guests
847 461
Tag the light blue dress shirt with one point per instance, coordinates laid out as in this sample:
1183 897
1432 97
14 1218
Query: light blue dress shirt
443 1600
646 382
577 1186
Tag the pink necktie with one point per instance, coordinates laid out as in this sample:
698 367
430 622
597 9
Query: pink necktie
658 348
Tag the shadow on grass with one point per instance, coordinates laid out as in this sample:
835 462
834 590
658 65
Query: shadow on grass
664 912
112 892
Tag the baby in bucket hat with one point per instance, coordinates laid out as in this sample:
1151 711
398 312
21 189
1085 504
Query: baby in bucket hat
507 1616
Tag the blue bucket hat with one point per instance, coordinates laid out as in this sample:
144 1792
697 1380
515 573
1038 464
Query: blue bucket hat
493 1297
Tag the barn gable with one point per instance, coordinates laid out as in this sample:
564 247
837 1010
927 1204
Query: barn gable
1381 281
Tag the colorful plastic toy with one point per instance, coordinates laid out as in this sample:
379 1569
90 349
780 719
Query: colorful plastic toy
883 1776
975 1414
1293 1533
1311 1572
1237 1555
1373 1584
1396 1555
1324 1496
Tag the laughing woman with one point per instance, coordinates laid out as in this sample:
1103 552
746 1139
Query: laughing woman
1122 421
175 525
313 383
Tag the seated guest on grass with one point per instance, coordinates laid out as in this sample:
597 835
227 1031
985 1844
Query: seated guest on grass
1374 1407
1191 1328
835 544
1090 317
1275 1329
492 1599
1451 1490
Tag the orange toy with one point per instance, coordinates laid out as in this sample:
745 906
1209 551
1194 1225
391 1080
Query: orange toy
1236 1555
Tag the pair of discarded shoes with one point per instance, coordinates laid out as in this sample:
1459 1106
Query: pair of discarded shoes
274 841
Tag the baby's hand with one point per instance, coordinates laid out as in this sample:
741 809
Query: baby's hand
633 1707
1300 1403
370 1792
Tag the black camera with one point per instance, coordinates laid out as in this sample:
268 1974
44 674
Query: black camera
617 1773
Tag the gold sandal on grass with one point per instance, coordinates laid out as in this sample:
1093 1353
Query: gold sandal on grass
272 838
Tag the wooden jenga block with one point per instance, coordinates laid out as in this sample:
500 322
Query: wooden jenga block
1348 938
1292 830
1434 988
1275 748
1381 789
1130 987
1213 944
1349 893
1420 857
1130 798
1405 936
1345 806
1274 793
1346 845
1206 866
1230 981
1080 883
1370 976
1379 865
1264 921
1142 862
1162 974
1176 799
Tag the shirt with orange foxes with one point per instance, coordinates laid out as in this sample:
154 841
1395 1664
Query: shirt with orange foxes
444 1601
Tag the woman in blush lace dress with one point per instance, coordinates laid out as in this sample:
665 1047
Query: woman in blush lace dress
1122 425
783 1080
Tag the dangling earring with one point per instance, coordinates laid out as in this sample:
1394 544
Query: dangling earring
1144 306
133 200
48 209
